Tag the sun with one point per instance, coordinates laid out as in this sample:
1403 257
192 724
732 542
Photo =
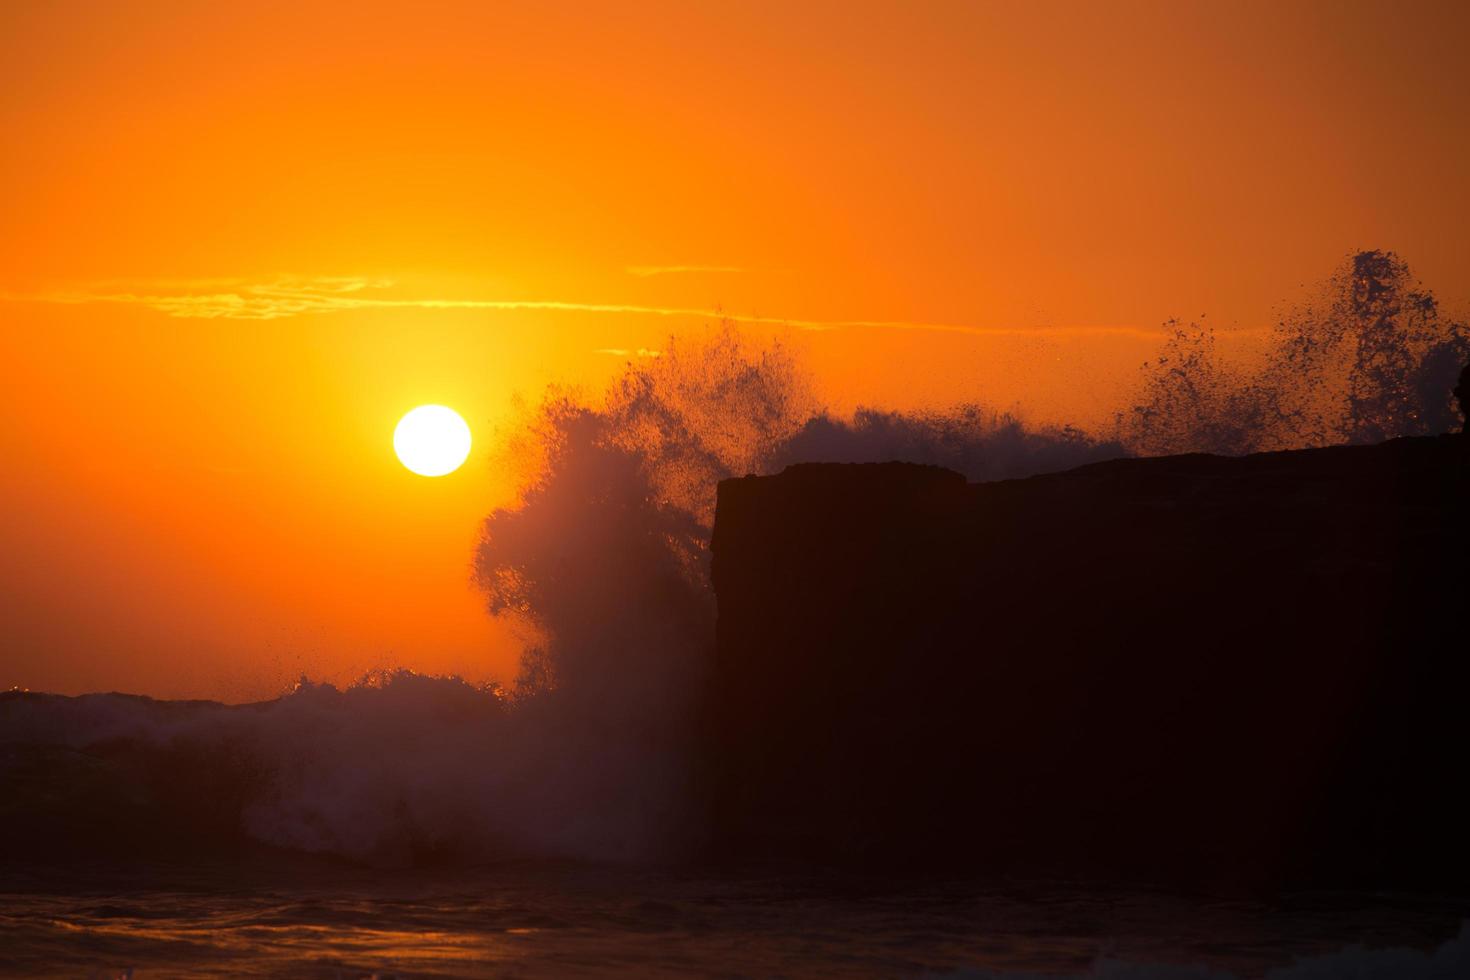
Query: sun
432 440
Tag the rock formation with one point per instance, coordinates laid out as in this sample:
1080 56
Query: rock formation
1189 670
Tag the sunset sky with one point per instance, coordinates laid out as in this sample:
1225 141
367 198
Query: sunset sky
242 239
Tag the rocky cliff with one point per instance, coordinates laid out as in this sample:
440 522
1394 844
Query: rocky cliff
1189 670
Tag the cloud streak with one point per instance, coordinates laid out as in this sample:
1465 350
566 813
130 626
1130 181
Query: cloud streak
629 351
291 296
644 271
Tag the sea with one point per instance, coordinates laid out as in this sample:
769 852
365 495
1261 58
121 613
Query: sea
288 916
419 828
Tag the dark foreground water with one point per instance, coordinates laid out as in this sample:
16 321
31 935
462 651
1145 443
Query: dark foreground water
331 921
379 779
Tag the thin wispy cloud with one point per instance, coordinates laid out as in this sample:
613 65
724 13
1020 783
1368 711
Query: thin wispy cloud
629 352
229 299
644 271
292 296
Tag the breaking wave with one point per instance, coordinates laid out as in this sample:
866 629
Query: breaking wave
603 559
396 769
1371 357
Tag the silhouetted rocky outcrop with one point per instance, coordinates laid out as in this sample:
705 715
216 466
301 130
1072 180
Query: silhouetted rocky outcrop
1190 670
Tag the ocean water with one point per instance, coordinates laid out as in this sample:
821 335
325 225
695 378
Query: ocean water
290 917
420 828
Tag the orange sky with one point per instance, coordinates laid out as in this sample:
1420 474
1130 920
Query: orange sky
242 239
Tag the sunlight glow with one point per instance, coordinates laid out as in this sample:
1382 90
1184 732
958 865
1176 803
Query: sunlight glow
432 440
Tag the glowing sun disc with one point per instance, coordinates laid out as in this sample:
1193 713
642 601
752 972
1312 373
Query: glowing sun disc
432 440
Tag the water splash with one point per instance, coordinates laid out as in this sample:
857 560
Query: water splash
1371 357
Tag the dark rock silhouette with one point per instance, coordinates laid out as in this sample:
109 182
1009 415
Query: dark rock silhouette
1191 670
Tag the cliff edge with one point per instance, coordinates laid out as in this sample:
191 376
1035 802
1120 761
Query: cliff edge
1187 670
